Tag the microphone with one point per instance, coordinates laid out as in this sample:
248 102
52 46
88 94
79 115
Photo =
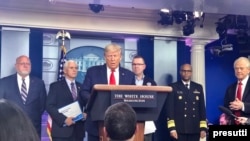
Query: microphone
227 111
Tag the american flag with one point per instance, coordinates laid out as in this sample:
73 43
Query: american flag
60 66
60 76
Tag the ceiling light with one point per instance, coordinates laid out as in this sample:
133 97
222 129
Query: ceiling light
188 29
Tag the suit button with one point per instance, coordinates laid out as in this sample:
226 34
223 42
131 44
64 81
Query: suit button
193 109
185 102
185 108
193 115
185 115
193 102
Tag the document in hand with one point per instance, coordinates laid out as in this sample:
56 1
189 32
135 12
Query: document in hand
72 110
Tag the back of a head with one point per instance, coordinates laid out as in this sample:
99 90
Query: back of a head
120 121
14 123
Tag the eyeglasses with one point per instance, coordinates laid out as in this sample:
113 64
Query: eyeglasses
28 64
186 70
135 64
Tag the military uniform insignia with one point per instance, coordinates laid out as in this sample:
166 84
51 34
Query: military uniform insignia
196 92
197 97
180 97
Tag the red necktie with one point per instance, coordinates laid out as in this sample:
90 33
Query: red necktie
238 95
112 78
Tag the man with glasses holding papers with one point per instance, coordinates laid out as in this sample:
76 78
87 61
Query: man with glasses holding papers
65 106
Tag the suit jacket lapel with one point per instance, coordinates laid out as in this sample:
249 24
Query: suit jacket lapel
66 88
247 90
103 75
122 79
18 92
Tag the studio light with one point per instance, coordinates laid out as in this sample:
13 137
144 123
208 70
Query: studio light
96 8
234 23
188 29
179 16
169 17
166 18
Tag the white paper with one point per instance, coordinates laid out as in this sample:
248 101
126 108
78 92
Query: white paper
72 110
149 127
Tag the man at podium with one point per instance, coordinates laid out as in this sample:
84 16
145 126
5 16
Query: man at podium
110 73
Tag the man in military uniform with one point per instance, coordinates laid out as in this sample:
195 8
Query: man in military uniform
186 108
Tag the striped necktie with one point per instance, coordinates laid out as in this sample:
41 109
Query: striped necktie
24 93
73 91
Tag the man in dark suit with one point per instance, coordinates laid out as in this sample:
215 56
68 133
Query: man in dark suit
28 92
138 67
101 75
62 93
240 105
186 108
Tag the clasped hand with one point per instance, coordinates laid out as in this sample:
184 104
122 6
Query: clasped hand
236 104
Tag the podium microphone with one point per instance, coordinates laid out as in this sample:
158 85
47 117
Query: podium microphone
227 111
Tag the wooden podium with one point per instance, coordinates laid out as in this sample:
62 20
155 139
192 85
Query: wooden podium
147 109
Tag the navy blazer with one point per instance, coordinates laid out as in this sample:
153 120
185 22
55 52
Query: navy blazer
35 102
230 96
186 108
98 75
59 96
147 80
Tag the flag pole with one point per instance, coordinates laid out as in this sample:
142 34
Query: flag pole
60 35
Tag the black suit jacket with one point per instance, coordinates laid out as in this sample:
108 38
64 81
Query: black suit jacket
148 80
35 102
98 75
230 96
186 108
59 96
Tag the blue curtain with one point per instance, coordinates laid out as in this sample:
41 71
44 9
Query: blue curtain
36 52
